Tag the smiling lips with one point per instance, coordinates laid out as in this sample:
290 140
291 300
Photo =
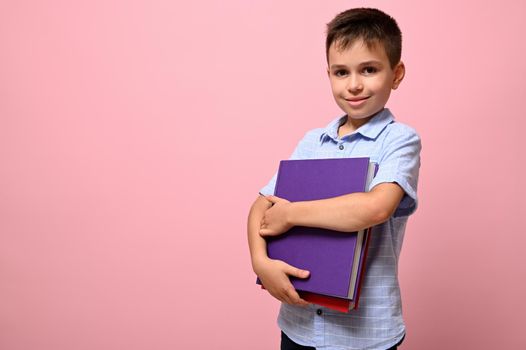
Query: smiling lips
356 101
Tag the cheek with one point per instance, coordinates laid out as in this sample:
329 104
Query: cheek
377 85
337 87
382 89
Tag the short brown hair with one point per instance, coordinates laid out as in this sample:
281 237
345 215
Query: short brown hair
368 24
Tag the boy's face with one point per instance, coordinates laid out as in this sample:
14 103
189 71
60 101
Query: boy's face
361 79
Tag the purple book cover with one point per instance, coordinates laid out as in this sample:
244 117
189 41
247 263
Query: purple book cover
327 254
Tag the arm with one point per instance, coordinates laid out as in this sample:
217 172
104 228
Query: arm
346 213
393 192
257 244
272 273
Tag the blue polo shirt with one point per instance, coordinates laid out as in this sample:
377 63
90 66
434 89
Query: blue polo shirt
378 322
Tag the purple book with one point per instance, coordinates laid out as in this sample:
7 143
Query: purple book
328 255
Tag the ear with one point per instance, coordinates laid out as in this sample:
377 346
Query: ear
399 73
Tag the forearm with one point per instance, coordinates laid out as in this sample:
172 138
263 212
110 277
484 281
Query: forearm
339 213
348 213
256 243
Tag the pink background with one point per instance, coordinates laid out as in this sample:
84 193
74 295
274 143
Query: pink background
134 135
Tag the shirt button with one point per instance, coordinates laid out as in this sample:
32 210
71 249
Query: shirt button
341 147
319 312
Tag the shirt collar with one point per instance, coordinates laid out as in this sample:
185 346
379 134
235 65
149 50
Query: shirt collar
370 130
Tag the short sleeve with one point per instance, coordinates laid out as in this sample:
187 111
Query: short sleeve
268 190
400 163
296 154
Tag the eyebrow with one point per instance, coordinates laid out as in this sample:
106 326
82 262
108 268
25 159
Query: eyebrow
366 63
338 66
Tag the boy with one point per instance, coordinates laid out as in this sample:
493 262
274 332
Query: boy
363 49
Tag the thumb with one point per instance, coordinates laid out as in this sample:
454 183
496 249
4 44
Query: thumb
273 199
296 272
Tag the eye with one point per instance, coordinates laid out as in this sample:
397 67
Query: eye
369 70
340 73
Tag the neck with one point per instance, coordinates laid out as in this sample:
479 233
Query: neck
351 125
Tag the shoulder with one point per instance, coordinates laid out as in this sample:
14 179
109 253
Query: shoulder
311 142
401 135
307 144
400 129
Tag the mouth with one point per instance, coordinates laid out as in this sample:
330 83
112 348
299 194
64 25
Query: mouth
356 101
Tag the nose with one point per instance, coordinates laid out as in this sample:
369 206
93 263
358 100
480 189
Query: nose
354 83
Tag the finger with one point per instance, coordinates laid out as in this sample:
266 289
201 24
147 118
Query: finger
302 302
296 272
296 299
265 232
280 297
279 294
273 199
288 295
286 299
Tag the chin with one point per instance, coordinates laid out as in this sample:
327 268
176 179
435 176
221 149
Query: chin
363 114
360 117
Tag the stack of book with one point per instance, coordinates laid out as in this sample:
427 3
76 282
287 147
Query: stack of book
336 260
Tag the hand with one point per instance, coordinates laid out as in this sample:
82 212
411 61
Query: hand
274 277
275 220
